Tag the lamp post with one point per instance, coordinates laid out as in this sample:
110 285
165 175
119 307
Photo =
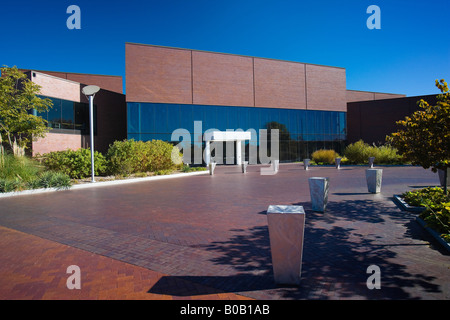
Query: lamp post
89 92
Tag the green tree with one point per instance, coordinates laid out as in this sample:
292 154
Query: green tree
425 138
18 97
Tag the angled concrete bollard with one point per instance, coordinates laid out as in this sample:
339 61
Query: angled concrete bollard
286 232
338 163
244 166
373 178
371 161
306 163
212 166
318 188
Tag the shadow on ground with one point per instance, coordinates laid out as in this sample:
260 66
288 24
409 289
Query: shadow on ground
339 246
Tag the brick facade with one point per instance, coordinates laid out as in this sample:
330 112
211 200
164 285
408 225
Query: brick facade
111 114
221 79
279 84
355 95
173 75
371 121
57 142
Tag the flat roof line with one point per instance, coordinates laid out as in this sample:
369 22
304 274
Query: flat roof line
51 76
230 54
84 74
402 94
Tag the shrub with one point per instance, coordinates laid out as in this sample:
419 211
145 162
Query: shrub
187 168
21 168
324 156
130 156
437 212
7 185
359 153
386 155
126 157
51 179
76 164
21 173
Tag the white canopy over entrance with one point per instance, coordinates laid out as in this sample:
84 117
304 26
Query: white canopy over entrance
226 136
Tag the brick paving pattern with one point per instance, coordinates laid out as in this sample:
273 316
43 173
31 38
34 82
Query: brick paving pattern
206 237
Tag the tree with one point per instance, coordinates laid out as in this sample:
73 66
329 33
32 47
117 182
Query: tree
425 138
18 97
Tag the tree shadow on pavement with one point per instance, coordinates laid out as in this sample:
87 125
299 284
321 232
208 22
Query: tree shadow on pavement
339 246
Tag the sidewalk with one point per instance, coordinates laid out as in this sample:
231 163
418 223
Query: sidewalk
206 237
35 269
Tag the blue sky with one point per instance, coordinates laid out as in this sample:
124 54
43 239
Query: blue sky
406 55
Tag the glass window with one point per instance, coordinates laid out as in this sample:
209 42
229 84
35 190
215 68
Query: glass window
342 124
232 118
147 123
221 118
186 118
160 113
205 115
310 124
67 115
274 116
81 117
253 121
307 130
334 123
326 123
54 114
133 117
292 121
264 118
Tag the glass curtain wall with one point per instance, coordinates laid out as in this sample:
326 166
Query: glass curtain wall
69 117
301 131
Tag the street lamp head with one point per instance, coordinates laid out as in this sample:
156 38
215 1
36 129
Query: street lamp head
90 90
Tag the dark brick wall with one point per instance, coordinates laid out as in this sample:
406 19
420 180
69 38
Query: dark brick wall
111 119
371 121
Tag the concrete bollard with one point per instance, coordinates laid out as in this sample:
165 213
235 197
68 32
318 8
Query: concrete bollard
318 188
286 232
306 163
244 166
212 166
371 161
338 163
373 178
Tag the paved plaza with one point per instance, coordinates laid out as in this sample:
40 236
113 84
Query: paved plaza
206 237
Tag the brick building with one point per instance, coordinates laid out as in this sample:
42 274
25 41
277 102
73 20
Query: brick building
171 88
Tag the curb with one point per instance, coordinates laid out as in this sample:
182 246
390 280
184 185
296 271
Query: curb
398 199
101 184
434 234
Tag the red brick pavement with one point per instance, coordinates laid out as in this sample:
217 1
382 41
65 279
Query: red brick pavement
206 236
33 268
